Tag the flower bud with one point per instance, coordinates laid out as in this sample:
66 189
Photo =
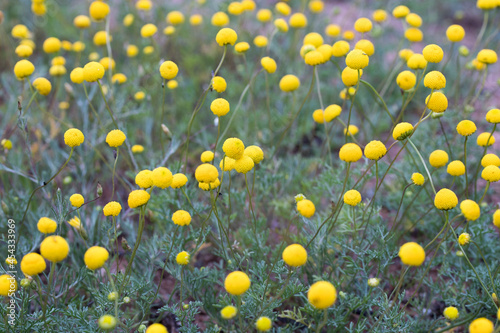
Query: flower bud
125 245
459 254
373 282
112 296
141 328
25 283
463 50
165 130
107 322
5 208
99 190
342 294
67 180
469 108
126 299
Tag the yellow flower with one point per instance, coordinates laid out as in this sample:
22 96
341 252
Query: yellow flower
417 179
316 6
405 54
438 158
379 15
23 68
455 33
402 131
414 35
206 173
161 177
227 163
75 223
350 76
294 255
42 85
101 38
20 31
496 218
485 139
178 180
470 209
220 107
183 258
306 208
244 164
93 71
138 198
73 137
352 130
242 47
487 56
54 248
491 173
76 75
195 19
350 152
228 312
98 10
95 257
264 15
352 198
366 46
481 325
181 217
313 38
46 225
414 20
144 5
148 30
451 313
411 254
226 36
357 59
132 51
263 324
406 80
490 159
33 264
255 153
433 53
175 17
298 20
400 11
77 200
466 128
112 208
416 61
107 322
8 285
340 48
136 149
237 283
445 199
456 168
233 148
24 51
139 96
363 25
289 83
220 19
435 80
6 144
314 58
375 150
115 138
493 116
322 295
168 70
51 45
464 238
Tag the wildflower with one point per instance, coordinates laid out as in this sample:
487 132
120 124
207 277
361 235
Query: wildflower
181 217
466 128
405 54
76 75
481 325
299 197
306 208
406 80
32 264
400 11
379 15
314 58
255 153
411 254
414 35
227 164
463 51
219 84
260 41
220 19
340 48
402 131
283 8
244 164
366 46
350 76
76 200
375 150
93 71
6 144
136 149
95 257
493 116
19 31
226 36
363 25
373 282
237 283
445 199
209 186
417 179
51 45
438 158
456 168
242 47
294 255
451 313
143 179
119 78
195 19
168 70
23 68
175 17
229 312
491 173
331 112
101 38
54 248
434 80
289 83
162 177
207 156
298 20
148 30
107 322
316 6
139 96
73 137
487 56
206 173
220 107
11 261
138 198
24 51
263 324
348 34
234 148
8 285
416 61
313 38
485 139
490 159
464 238
414 20
322 295
178 180
112 208
42 85
98 10
357 59
75 223
281 25
107 63
78 46
437 102
350 152
455 33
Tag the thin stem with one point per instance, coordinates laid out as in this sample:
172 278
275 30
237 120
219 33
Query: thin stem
381 99
466 173
485 190
107 106
347 132
136 246
318 87
425 166
114 171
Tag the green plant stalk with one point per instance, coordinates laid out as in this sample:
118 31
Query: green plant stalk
487 267
217 139
482 31
423 163
323 323
381 99
446 138
110 278
91 106
394 224
164 93
466 171
347 132
484 193
107 105
251 206
114 172
43 303
142 219
318 87
483 81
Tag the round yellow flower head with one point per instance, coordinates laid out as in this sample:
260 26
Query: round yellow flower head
464 238
33 264
406 80
172 84
375 150
350 76
438 158
491 173
132 51
487 56
107 63
348 34
51 45
8 285
78 46
207 156
289 83
144 5
455 33
115 138
366 46
169 30
405 54
57 70
23 68
143 179
220 107
244 164
178 180
456 168
220 19
326 51
411 254
363 25
195 20
98 10
42 85
314 58
490 159
112 208
470 209
255 153
107 322
414 35
93 71
298 20
316 6
76 75
183 258
402 131
350 152
263 324
219 84
340 48
235 8
237 283
434 80
466 128
417 179
24 51
234 148
162 177
313 38
379 15
168 70
283 8
54 248
281 25
229 312
433 53
416 61
6 144
268 64
485 139
139 96
400 11
138 198
209 186
306 208
445 199
242 47
493 116
322 295
175 17
181 217
119 78
451 313
496 218
357 59
352 198
226 36
481 325
46 225
206 173
95 257
148 30
73 137
294 255
227 164
77 200
101 38
414 20
20 31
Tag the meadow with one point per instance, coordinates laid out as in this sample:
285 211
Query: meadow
251 166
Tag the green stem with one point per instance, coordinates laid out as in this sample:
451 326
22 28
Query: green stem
347 132
136 246
107 105
381 99
425 166
114 171
466 172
